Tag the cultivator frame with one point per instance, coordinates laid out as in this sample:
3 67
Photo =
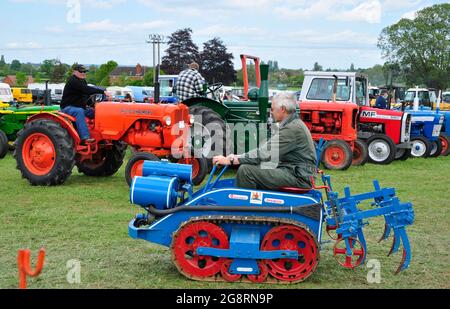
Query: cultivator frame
224 233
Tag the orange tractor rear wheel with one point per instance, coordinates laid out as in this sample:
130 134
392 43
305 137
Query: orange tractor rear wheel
45 153
106 162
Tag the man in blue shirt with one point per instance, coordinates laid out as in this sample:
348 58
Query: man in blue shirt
382 100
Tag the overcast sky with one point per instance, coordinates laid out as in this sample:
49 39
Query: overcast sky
297 33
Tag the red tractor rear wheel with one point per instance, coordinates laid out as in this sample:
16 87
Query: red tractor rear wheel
45 153
445 141
337 155
135 164
360 153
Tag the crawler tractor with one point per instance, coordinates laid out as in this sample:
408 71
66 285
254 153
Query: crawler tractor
226 233
49 146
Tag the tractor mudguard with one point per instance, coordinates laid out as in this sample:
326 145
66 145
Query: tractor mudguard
216 106
61 120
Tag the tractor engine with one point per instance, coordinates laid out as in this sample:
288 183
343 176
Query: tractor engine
329 118
144 126
323 122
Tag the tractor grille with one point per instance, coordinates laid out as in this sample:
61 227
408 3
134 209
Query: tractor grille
408 124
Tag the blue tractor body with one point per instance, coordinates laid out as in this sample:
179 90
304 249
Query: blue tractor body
426 128
226 233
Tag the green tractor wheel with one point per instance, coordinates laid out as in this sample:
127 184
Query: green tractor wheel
213 139
3 144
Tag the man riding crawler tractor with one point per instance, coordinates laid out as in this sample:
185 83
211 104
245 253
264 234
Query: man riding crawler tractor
50 145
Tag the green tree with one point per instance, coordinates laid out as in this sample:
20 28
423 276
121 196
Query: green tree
182 51
47 66
15 66
21 79
2 62
317 67
101 75
58 74
217 63
148 79
421 47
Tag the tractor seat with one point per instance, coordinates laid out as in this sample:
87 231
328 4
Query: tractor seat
295 190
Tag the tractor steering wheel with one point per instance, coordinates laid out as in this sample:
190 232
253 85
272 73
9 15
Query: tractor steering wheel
214 87
94 99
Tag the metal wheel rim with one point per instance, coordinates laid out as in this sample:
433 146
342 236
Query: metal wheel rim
379 150
419 148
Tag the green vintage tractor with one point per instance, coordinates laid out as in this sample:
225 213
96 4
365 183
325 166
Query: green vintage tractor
12 120
237 123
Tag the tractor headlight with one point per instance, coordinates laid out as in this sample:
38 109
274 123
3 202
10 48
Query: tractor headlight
168 121
191 119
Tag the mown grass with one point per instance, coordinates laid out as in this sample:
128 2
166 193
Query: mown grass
87 218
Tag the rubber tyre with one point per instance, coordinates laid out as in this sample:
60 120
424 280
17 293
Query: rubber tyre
445 141
339 159
65 152
3 144
111 161
202 172
387 143
138 156
360 153
402 154
427 145
436 148
208 116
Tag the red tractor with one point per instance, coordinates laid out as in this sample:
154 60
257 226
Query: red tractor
336 123
385 132
49 146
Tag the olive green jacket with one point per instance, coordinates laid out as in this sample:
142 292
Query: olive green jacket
296 149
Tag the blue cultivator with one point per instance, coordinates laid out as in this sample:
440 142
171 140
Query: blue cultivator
225 233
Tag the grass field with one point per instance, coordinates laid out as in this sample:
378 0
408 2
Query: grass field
87 218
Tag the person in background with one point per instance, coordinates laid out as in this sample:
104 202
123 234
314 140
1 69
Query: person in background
190 83
381 101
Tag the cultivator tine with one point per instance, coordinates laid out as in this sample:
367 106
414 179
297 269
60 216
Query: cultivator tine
386 233
406 256
395 243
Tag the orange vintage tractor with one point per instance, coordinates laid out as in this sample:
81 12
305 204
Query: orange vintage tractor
49 146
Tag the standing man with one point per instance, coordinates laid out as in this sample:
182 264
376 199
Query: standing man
73 103
190 83
381 101
296 153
